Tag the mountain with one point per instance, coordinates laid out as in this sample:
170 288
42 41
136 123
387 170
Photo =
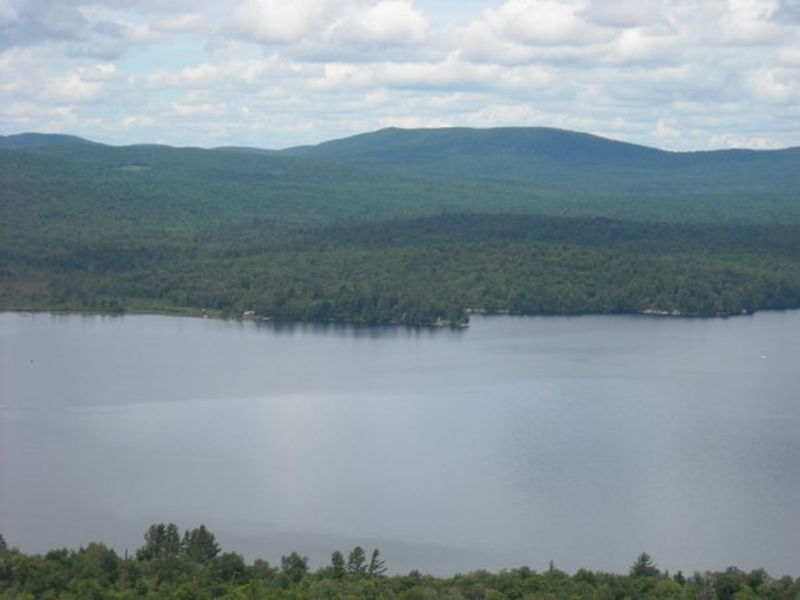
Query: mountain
418 172
22 141
434 148
556 158
399 226
144 187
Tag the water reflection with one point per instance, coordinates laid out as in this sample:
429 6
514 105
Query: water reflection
355 331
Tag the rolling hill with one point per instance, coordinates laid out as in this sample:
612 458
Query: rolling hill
558 158
28 141
409 173
409 226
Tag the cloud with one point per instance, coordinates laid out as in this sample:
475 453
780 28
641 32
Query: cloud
199 110
621 14
449 74
31 22
644 46
732 140
772 85
387 22
72 88
8 14
750 22
137 122
280 22
541 22
232 75
790 56
676 73
106 30
183 23
788 11
412 122
80 85
330 30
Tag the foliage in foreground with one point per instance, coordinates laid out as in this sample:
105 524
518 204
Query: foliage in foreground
169 565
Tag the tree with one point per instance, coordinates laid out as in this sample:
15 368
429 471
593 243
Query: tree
356 561
161 541
746 593
199 545
729 583
261 570
230 566
97 561
377 566
294 566
644 567
338 569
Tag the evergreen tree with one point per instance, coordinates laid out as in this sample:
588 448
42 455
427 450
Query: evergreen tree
644 567
161 541
338 568
377 566
357 561
199 545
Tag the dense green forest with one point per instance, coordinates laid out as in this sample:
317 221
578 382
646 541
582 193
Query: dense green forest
170 565
413 227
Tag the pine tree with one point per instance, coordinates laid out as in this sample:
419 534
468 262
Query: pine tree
644 567
377 566
160 541
199 545
357 561
338 569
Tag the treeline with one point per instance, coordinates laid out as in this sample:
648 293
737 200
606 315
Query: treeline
192 566
419 271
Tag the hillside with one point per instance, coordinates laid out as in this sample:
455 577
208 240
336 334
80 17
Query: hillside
554 157
409 173
399 227
23 141
436 148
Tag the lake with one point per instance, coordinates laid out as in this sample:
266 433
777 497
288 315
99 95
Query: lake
518 440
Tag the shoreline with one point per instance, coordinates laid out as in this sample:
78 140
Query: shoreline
440 324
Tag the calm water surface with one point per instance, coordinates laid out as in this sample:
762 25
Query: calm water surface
516 441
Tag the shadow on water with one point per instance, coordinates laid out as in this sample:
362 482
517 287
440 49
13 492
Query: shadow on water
356 330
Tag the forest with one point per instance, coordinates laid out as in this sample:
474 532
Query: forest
169 565
398 227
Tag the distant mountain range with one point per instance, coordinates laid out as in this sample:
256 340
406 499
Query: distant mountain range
551 159
399 226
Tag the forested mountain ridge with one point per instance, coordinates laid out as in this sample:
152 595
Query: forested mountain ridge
23 141
543 155
433 148
399 226
529 170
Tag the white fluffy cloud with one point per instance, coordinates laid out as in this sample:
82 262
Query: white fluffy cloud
541 22
280 22
773 85
673 73
387 22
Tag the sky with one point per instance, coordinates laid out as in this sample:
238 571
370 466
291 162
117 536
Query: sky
674 74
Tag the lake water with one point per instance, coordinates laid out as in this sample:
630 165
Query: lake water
515 441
